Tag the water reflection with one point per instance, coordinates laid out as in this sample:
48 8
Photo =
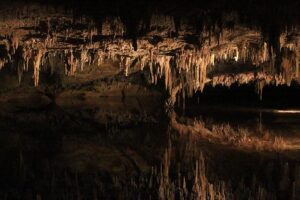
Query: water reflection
111 148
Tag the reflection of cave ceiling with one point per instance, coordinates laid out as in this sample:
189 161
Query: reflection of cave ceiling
214 48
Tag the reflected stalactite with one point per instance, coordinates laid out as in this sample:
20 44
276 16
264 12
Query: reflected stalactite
200 187
226 135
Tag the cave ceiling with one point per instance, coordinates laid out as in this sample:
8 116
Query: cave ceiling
185 46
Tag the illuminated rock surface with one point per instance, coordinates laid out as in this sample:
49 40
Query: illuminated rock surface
158 101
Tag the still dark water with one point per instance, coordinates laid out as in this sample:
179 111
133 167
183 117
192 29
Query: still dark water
111 148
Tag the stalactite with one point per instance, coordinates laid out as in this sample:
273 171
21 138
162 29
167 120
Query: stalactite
212 59
48 25
92 32
36 65
297 63
70 63
26 56
127 65
100 57
83 58
2 63
265 52
282 40
14 42
164 66
125 62
143 60
288 64
245 78
67 34
236 57
50 41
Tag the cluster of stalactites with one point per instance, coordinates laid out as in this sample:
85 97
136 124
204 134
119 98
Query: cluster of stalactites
262 55
100 57
70 63
30 53
7 58
116 48
14 43
290 65
125 62
51 40
26 56
164 68
113 27
260 78
192 64
243 53
77 60
84 58
290 57
186 65
160 66
245 78
11 44
164 23
116 51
